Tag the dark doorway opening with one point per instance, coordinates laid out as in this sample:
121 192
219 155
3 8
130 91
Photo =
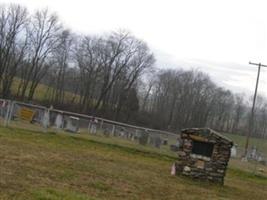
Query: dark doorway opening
202 148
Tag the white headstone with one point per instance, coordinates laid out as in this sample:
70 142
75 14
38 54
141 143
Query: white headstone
233 151
59 121
253 154
72 124
45 120
173 169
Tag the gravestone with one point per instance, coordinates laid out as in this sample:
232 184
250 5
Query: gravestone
46 119
157 142
121 132
72 124
253 153
234 151
165 141
143 139
92 127
59 121
106 132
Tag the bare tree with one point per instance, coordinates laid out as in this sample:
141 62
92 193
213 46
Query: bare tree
110 75
61 56
141 61
239 111
13 43
43 31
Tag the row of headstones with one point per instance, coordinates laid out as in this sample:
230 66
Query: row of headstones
142 137
253 154
71 124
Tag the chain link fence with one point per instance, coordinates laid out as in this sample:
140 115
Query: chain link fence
39 118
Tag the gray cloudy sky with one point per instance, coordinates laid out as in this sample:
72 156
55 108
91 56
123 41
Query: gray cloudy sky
219 37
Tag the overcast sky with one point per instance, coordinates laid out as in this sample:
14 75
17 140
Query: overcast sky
219 37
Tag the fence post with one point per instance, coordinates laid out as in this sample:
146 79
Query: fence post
11 112
7 114
46 119
101 125
113 130
62 125
89 126
135 135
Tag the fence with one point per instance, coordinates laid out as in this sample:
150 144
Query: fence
40 118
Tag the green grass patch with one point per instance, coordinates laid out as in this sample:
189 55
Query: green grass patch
42 91
241 140
37 165
248 175
52 194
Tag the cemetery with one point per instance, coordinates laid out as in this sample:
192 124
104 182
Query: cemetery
148 100
52 166
122 151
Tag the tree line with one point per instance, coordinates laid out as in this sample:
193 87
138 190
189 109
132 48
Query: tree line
112 75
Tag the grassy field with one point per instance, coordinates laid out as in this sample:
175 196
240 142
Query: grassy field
35 165
41 93
241 140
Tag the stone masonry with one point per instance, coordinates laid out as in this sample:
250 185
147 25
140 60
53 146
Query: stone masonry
208 159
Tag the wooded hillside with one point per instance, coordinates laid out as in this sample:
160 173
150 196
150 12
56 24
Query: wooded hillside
112 75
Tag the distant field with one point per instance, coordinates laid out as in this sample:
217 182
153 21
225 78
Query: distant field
241 140
35 165
41 92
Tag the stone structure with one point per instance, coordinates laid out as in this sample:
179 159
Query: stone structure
203 154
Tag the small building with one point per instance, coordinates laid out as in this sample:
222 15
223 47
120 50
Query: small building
203 154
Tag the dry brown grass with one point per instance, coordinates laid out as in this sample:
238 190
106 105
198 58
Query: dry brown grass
36 165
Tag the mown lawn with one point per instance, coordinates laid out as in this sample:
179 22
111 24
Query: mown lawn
52 166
